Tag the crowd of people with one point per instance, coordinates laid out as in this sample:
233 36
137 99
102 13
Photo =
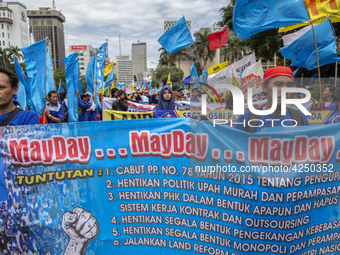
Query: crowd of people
165 98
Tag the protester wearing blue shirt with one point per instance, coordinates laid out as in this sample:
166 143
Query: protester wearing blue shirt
54 110
276 77
196 94
91 113
10 115
83 106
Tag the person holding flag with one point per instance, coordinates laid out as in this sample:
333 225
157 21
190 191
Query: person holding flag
327 102
54 111
91 113
10 115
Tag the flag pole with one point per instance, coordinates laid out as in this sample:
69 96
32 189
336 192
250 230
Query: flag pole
52 68
95 71
46 42
336 63
316 48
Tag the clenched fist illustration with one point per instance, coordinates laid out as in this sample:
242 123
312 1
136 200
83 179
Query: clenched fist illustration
81 227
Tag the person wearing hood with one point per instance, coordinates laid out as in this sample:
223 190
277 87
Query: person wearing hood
121 104
166 101
91 113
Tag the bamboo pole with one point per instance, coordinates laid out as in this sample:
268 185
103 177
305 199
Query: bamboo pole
316 49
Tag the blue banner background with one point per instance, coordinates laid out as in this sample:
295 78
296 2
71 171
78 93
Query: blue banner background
42 206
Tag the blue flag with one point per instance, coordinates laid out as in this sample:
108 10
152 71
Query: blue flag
187 79
80 87
61 87
251 17
90 75
35 60
177 37
72 79
109 79
23 95
49 78
302 51
121 85
143 86
101 55
194 74
204 77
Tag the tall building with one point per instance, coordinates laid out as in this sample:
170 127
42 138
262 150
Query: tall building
138 53
85 53
124 69
170 23
13 25
47 22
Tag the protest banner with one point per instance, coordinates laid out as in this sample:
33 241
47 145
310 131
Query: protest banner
169 186
120 115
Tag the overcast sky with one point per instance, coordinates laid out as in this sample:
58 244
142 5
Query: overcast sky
92 22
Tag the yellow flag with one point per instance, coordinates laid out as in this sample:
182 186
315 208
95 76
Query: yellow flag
218 67
319 10
235 81
113 84
132 88
108 69
169 81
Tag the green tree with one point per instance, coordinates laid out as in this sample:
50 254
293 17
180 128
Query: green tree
162 73
165 58
178 55
5 58
199 68
15 51
227 15
60 75
202 47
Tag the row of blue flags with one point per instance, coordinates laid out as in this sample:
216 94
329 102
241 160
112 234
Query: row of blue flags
251 17
39 81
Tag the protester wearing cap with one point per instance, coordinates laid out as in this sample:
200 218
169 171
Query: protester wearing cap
177 90
275 77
